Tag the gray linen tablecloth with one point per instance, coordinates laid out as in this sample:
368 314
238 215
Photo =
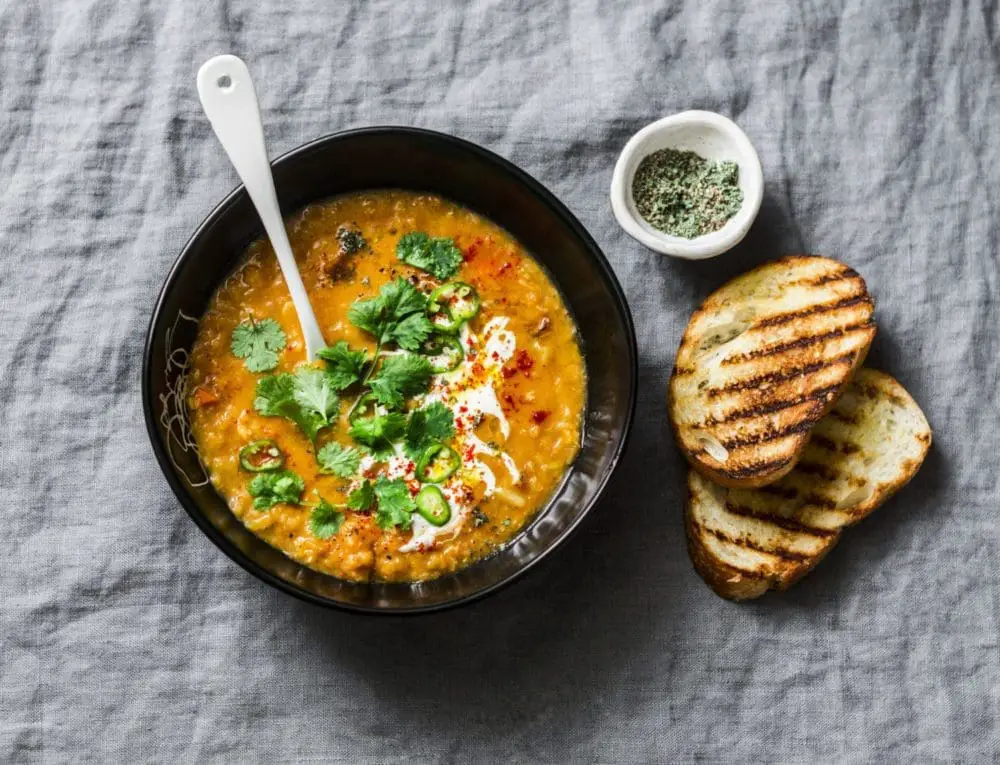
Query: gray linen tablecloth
128 637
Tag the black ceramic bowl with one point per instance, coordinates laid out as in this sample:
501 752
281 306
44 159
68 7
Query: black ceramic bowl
482 181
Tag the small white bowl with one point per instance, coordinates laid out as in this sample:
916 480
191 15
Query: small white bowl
712 136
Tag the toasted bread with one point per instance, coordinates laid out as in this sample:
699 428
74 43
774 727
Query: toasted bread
762 360
744 542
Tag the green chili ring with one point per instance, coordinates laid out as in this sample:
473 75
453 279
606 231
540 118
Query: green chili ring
444 352
438 463
453 304
262 456
432 506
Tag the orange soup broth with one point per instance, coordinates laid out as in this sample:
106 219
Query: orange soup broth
541 390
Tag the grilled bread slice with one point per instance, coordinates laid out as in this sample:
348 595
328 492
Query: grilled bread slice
762 360
744 542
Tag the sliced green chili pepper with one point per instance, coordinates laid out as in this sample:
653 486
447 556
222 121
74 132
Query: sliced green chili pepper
262 456
432 506
437 463
365 407
444 352
452 304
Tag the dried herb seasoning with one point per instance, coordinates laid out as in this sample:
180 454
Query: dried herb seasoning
683 194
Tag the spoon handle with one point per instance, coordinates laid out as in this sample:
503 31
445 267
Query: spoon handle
230 103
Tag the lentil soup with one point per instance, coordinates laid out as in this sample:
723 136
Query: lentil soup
445 410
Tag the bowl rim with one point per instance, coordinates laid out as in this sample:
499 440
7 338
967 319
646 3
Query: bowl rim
707 245
554 205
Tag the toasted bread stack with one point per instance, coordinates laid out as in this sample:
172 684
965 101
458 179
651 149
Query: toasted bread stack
789 441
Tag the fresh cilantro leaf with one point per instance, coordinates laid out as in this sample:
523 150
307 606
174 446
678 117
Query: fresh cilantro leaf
368 315
411 332
276 398
258 343
340 460
362 497
325 520
440 422
314 393
343 366
439 255
270 489
275 395
434 423
380 315
280 395
394 503
402 298
400 377
378 432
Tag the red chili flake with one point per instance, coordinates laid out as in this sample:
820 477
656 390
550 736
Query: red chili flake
463 409
539 416
410 466
508 400
414 487
524 361
508 372
470 253
477 369
507 265
470 454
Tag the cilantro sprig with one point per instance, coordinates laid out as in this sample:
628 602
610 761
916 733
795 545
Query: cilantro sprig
363 497
344 366
394 503
315 395
325 520
396 314
308 398
390 499
433 424
258 343
270 489
340 460
400 377
378 432
437 255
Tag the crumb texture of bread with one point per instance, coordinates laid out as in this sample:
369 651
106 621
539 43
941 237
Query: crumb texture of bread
762 360
744 542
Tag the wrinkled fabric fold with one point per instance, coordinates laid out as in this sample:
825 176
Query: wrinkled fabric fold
126 636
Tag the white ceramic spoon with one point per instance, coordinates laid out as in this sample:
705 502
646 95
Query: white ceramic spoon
230 103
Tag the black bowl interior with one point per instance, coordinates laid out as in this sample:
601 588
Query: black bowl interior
467 174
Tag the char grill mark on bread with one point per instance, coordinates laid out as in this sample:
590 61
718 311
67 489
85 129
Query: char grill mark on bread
744 542
778 376
787 523
750 544
800 343
762 360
